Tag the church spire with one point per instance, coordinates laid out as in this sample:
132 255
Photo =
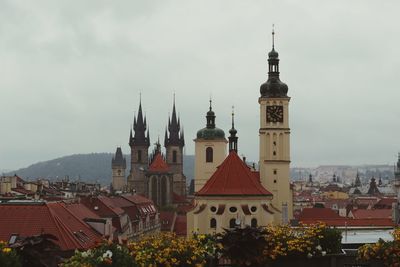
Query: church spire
233 144
174 129
210 117
273 87
139 127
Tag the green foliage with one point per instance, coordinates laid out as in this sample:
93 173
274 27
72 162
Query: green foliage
8 256
106 254
331 240
244 246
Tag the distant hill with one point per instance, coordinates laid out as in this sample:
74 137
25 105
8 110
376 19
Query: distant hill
86 167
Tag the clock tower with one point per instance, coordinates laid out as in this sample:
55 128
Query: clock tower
275 140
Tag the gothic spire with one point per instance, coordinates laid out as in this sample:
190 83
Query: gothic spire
357 183
140 126
173 136
118 160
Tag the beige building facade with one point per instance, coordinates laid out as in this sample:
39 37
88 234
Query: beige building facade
118 166
210 151
275 141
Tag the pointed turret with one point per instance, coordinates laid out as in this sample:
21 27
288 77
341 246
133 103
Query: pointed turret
118 166
273 87
357 183
233 144
139 127
174 137
118 160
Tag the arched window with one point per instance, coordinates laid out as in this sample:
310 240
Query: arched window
232 223
213 223
139 155
254 222
174 156
154 189
163 190
209 154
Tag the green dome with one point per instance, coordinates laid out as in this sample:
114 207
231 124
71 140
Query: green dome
210 133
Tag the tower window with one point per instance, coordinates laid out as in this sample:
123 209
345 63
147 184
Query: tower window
275 171
254 222
274 143
213 223
139 155
274 153
232 223
174 156
209 154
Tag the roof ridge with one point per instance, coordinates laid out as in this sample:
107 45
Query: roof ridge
58 222
233 177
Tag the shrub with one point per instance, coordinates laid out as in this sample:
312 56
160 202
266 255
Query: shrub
105 254
166 249
387 251
8 256
244 246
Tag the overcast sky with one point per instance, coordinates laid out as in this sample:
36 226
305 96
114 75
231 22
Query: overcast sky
71 73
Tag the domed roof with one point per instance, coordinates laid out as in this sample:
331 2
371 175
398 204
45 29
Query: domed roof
273 54
210 133
273 87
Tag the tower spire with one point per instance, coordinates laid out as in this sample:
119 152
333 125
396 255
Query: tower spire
233 138
273 36
174 128
273 87
140 126
210 117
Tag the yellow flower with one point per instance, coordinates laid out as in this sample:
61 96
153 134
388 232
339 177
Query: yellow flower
6 250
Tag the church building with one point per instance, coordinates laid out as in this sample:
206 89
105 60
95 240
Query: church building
228 193
154 176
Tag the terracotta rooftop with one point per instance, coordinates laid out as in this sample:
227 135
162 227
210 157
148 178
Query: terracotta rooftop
233 178
354 222
137 199
27 219
373 213
180 225
318 214
158 164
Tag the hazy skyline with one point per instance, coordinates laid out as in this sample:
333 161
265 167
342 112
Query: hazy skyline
71 74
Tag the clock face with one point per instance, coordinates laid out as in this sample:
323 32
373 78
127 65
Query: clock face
274 113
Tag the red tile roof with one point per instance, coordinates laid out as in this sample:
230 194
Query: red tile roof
373 214
354 222
167 220
233 177
48 218
316 214
178 199
137 199
22 190
180 225
386 202
158 164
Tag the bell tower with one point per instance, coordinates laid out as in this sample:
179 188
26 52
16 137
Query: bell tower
174 141
139 143
209 150
275 139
